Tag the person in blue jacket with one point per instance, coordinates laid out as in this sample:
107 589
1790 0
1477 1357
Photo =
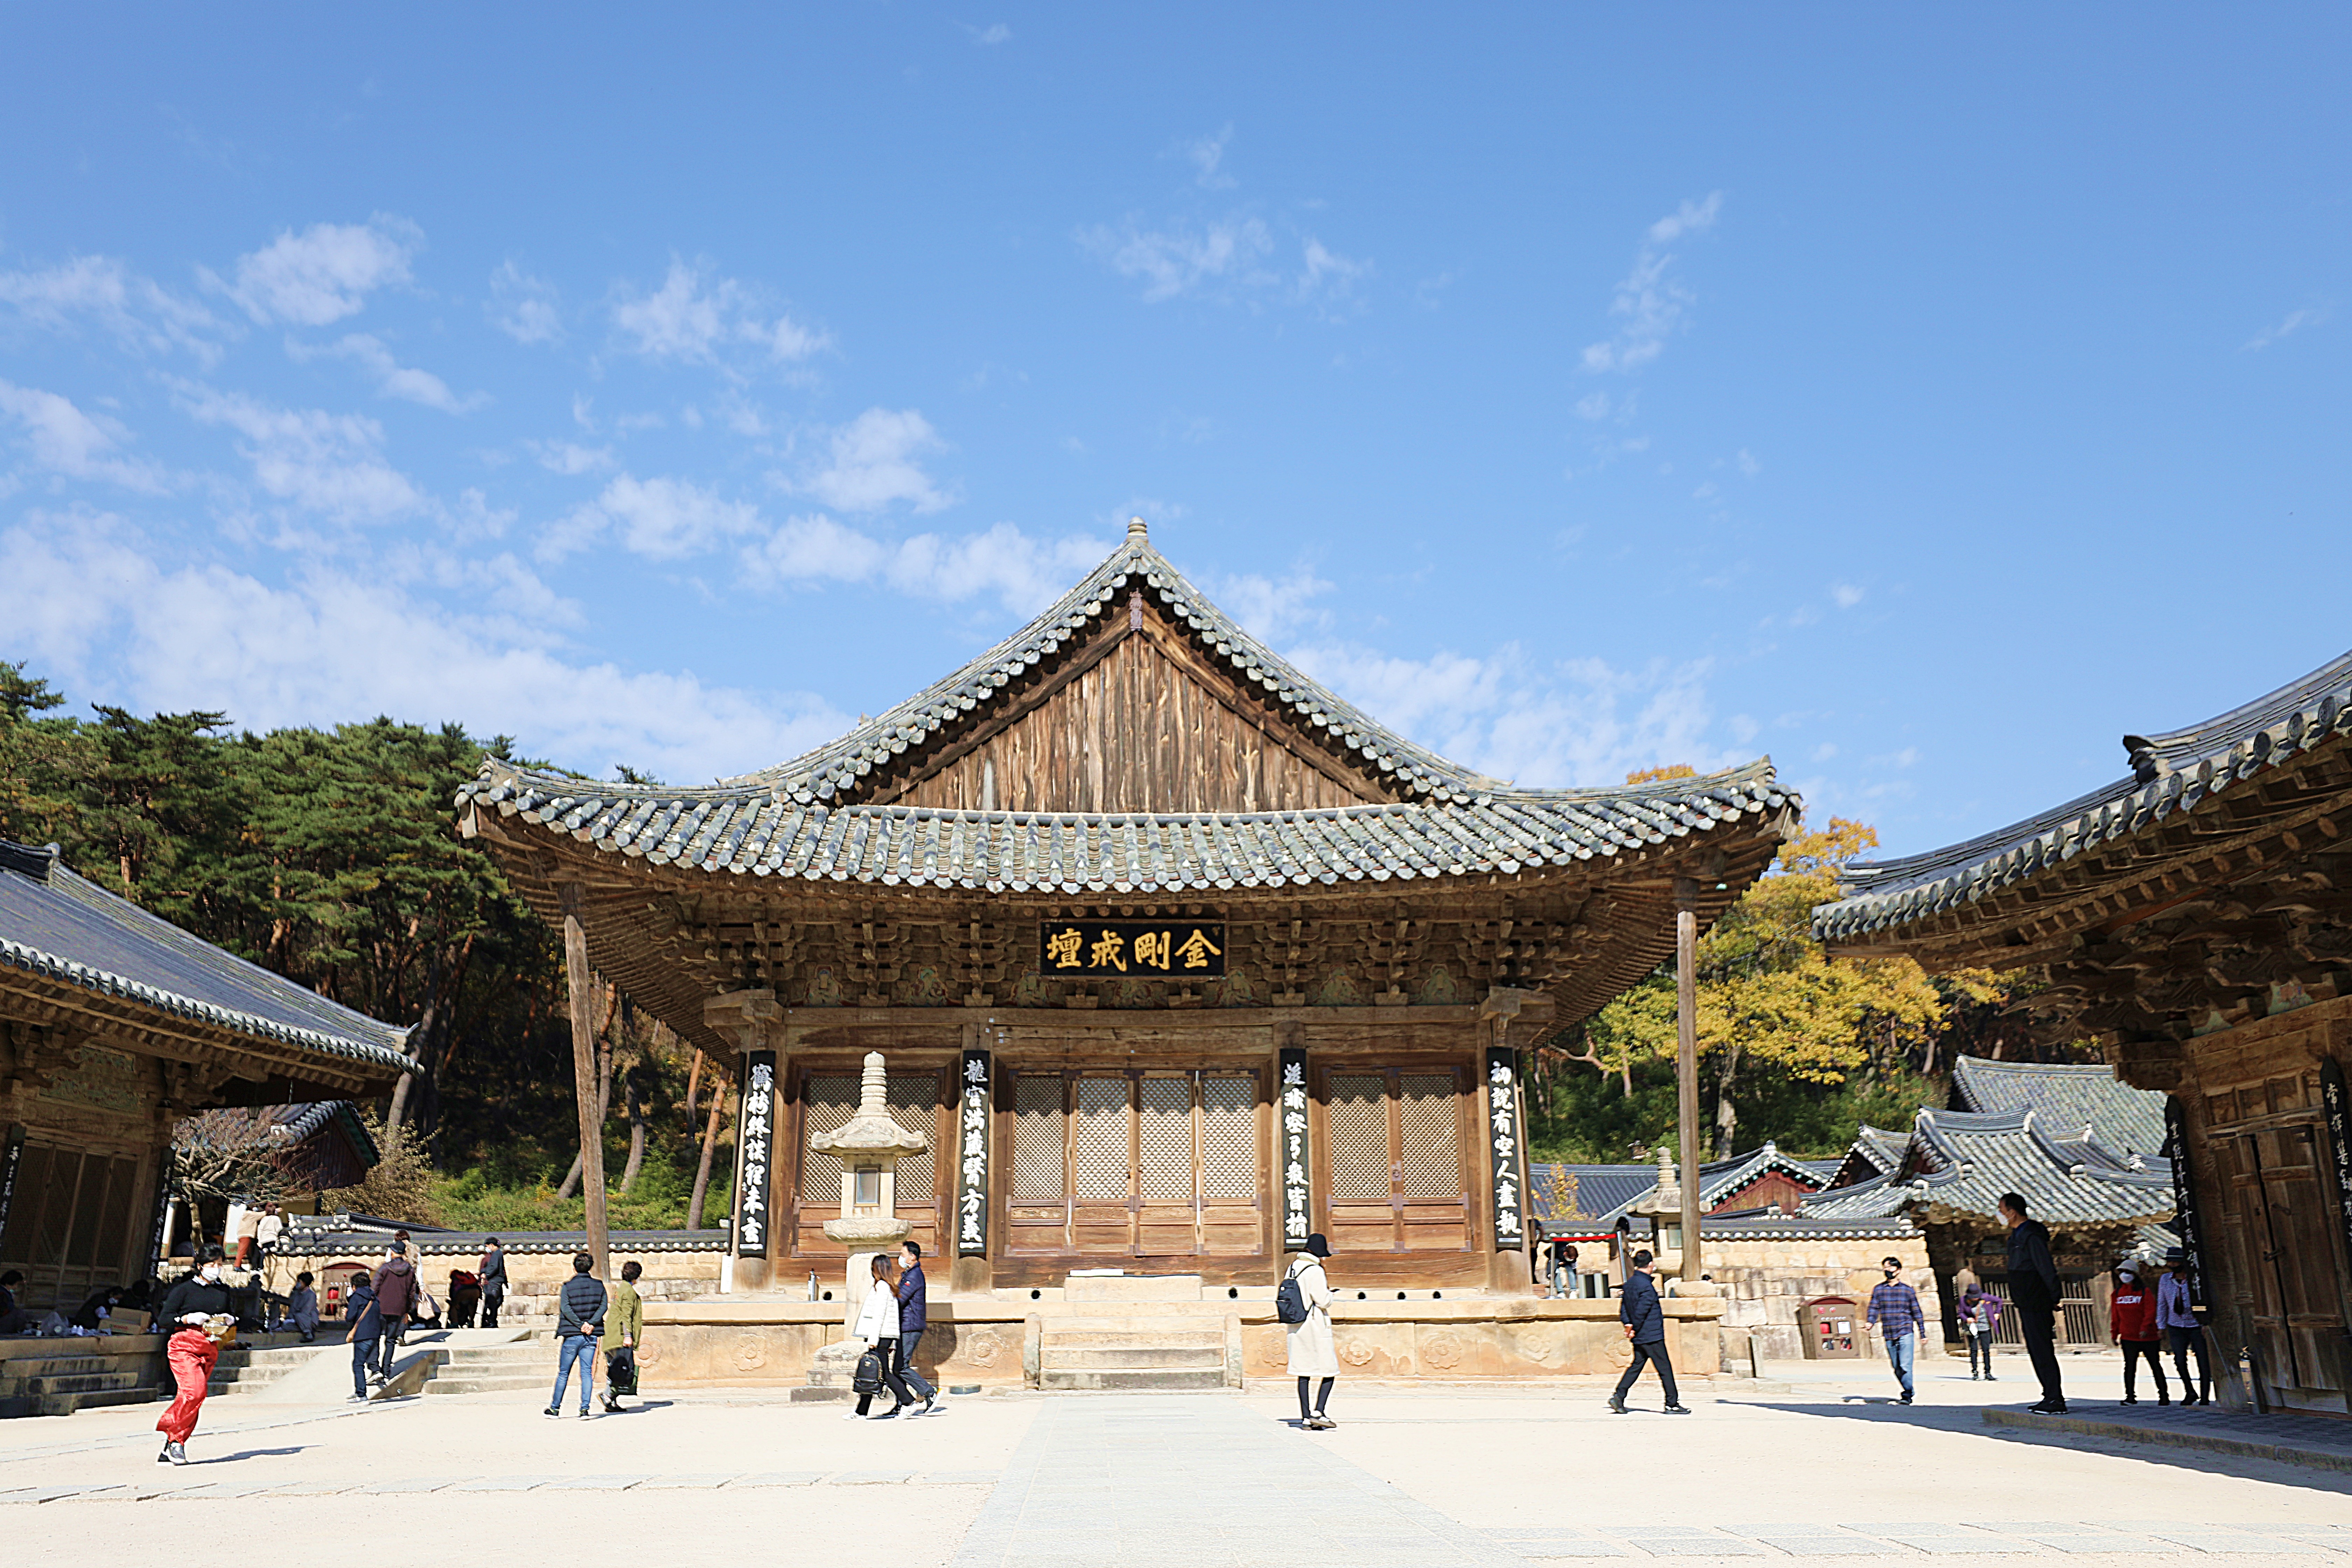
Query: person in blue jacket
1645 1325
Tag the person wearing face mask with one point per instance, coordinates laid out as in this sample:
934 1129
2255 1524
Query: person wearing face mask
190 1353
1895 1310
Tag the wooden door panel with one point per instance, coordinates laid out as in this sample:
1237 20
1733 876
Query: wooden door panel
2310 1306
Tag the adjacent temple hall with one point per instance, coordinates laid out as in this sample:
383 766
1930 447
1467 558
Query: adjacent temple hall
1174 955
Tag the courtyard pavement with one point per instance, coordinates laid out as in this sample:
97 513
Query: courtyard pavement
1814 1464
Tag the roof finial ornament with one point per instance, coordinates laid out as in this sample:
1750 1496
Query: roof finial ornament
1137 528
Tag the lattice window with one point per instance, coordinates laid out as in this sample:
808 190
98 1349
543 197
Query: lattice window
1100 1157
827 1100
1164 1141
1037 1168
1229 1138
915 1101
1358 1123
1431 1132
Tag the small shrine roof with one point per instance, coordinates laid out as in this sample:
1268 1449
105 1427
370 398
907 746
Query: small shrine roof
2066 1095
1959 1162
2171 773
60 926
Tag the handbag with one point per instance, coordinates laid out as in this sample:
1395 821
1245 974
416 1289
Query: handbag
867 1378
621 1370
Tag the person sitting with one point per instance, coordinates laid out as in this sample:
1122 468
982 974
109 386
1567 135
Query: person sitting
302 1307
13 1319
92 1313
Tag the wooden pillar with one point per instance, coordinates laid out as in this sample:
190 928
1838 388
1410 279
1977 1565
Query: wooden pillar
1686 1061
584 1070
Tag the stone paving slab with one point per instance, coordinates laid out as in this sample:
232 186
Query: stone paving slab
505 1483
596 1483
2306 1440
687 1483
778 1479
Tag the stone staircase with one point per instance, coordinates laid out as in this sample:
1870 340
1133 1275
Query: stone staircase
510 1368
1133 1333
242 1369
63 1382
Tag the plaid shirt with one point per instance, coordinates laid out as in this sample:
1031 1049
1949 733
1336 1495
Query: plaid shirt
1894 1307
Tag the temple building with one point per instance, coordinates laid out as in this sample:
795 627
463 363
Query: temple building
1175 956
2194 919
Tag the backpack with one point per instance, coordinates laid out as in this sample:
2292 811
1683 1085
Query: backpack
1290 1301
867 1378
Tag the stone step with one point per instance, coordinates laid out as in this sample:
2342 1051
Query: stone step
1131 1357
501 1383
1185 1338
67 1404
79 1383
1162 1381
58 1367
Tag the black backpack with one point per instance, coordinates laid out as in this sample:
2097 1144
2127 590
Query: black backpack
1290 1301
867 1378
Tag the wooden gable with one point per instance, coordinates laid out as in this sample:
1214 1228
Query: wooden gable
1135 718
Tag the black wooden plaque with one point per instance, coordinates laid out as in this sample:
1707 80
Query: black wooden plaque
2184 1197
11 1160
1503 1137
1290 1100
971 1143
754 1136
2332 1100
1172 947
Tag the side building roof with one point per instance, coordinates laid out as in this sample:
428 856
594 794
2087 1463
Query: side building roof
67 930
2067 1099
1960 1163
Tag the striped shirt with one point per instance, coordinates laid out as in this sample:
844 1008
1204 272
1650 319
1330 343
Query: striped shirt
1894 1307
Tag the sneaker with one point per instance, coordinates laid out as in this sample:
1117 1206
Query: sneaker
1616 1405
851 1416
1323 1423
888 1415
1905 1400
165 1455
930 1407
1677 1410
1991 1378
586 1413
552 1411
356 1399
2131 1399
2162 1400
175 1452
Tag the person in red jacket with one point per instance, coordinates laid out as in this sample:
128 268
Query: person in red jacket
2132 1316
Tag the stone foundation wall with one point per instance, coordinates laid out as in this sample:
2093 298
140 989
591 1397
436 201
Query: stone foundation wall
1764 1282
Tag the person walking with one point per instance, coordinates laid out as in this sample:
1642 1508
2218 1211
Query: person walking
914 1316
366 1333
2033 1295
628 1325
267 1231
190 1353
1645 1325
395 1298
579 1323
494 1282
1978 1314
1894 1311
878 1325
1312 1351
2176 1320
2131 1315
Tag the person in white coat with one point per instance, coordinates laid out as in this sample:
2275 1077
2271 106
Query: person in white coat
878 1325
1312 1353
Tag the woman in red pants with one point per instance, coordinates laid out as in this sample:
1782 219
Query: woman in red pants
190 1352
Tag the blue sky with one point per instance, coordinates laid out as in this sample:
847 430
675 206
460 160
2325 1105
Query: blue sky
1925 401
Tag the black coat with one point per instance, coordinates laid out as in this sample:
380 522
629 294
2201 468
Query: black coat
192 1295
1638 1307
2033 1275
494 1270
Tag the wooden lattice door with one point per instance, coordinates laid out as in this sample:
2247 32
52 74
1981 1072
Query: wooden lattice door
1393 1146
1136 1163
2290 1253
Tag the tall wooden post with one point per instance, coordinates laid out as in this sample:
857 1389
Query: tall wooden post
1686 1061
584 1071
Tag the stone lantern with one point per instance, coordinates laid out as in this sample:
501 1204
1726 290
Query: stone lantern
869 1146
1664 1209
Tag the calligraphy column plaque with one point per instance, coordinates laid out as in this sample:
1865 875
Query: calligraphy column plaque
2184 1197
1290 1127
972 1183
754 1133
2332 1100
1503 1134
11 1160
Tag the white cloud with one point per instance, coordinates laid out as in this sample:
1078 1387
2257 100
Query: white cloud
1651 305
101 612
1747 463
1271 608
1025 575
330 464
691 318
872 461
392 379
1579 722
327 271
1328 278
1846 594
1184 259
660 519
523 307
2294 322
1206 154
68 441
993 34
142 316
570 458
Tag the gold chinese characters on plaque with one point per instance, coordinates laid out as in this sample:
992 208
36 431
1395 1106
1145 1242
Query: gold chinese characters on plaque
1174 948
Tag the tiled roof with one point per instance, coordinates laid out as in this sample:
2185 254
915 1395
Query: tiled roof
1603 1192
2068 1098
1962 1162
1719 1179
58 925
804 818
2170 772
295 1123
1876 1147
308 1237
1807 1227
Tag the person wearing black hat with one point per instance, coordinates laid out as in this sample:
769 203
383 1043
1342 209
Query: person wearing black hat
1312 1353
2176 1320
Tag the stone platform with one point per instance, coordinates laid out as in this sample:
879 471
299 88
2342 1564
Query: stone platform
1137 1333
